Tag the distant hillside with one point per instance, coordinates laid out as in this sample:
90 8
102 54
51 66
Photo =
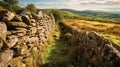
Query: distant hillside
95 15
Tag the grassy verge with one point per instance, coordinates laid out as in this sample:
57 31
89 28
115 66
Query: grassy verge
56 51
108 30
115 39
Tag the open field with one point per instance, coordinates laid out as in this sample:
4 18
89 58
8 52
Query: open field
108 30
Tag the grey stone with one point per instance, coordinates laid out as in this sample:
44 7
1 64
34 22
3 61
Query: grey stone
5 57
6 15
12 42
40 14
1 44
16 24
33 30
35 16
23 39
17 18
26 19
3 31
33 20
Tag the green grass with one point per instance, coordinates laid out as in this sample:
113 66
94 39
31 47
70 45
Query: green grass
108 30
56 51
114 39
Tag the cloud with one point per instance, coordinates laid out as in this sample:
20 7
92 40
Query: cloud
102 2
77 4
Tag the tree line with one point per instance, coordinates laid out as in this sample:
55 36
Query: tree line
13 5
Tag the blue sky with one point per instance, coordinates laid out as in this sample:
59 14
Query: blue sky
75 4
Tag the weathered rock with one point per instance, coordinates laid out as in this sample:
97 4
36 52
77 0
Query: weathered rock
12 42
9 33
3 31
33 24
21 50
51 15
97 50
40 14
24 13
17 18
93 34
16 24
23 39
1 44
26 19
33 20
5 57
33 40
35 49
19 31
11 37
17 62
33 30
6 15
2 13
35 16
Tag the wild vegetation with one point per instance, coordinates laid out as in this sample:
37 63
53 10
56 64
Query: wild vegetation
12 5
58 14
93 15
58 52
108 30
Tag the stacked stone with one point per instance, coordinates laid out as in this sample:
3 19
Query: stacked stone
19 34
95 49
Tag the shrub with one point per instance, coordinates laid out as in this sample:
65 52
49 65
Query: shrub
57 14
31 8
1 8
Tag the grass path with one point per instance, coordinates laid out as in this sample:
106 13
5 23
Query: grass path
56 52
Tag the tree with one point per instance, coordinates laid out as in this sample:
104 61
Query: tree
11 4
1 8
31 8
57 14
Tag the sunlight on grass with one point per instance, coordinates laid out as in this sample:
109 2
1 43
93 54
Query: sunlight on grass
56 50
91 24
115 39
108 30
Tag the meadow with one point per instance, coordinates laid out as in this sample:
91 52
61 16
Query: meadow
107 30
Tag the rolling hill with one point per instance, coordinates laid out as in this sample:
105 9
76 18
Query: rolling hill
95 15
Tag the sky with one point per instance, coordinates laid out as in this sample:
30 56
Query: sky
106 5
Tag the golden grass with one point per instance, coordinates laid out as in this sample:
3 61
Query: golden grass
108 30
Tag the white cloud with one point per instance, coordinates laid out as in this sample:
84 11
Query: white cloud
79 4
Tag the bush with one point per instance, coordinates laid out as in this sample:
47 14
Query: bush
31 8
11 5
57 14
1 8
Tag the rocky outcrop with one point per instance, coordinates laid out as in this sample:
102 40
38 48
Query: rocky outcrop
22 34
91 49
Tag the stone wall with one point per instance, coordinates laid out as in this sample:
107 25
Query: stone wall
23 35
91 49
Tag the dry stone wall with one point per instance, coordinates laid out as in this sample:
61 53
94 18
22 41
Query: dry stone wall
91 49
19 34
